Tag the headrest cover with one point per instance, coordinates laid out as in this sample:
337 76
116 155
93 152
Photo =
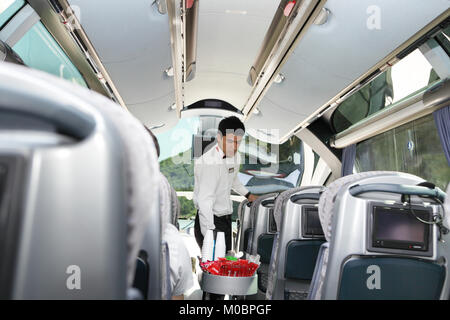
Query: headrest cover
142 172
241 209
257 203
328 198
141 166
281 200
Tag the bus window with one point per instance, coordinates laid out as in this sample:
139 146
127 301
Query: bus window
269 167
8 8
414 148
400 81
39 50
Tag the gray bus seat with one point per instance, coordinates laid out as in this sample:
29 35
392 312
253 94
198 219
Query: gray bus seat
259 215
261 237
243 222
377 248
81 187
294 250
167 212
247 223
140 281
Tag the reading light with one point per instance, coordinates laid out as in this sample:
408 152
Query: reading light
279 78
173 107
322 17
162 6
256 111
169 72
242 12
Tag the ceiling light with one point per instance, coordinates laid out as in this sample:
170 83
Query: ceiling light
169 72
322 17
242 12
173 107
162 7
256 111
279 78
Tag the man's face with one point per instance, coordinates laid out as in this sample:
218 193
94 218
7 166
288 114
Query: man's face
229 143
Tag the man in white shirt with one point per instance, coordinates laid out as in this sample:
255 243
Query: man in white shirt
215 174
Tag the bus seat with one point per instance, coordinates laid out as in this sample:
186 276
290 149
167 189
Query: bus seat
243 222
377 248
258 239
141 275
82 186
248 223
294 252
168 212
259 217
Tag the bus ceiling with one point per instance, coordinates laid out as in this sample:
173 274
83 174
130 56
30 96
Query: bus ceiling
281 65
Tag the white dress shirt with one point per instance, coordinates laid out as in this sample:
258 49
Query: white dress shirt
214 177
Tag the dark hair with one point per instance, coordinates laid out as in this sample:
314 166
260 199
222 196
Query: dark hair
155 141
233 124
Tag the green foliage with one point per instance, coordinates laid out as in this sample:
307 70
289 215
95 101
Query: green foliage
181 173
187 208
389 151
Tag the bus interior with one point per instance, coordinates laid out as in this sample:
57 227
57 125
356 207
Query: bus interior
346 106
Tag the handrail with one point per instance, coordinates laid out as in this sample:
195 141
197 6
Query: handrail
398 189
305 196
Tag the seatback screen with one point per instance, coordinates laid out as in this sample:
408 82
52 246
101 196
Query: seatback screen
398 228
311 223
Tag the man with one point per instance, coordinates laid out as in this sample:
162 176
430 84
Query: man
215 174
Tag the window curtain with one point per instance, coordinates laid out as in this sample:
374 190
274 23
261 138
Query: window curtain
348 160
442 120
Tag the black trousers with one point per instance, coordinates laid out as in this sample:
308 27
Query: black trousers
222 224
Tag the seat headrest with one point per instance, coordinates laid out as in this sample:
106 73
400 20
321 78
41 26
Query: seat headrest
241 209
281 200
89 115
258 202
328 198
142 170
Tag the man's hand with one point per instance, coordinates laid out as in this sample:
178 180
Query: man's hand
252 198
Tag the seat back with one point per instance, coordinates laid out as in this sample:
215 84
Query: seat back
260 216
81 180
140 281
249 222
258 237
160 289
296 245
378 248
243 224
